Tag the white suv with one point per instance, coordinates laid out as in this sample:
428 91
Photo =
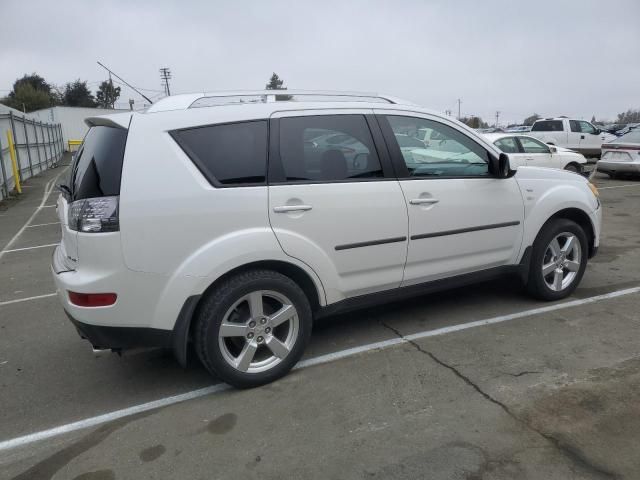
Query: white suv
230 222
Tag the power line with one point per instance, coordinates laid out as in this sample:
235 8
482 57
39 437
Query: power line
125 82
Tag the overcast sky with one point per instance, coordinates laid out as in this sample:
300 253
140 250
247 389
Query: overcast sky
553 57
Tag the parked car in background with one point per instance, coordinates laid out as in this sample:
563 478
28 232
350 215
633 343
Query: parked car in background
578 135
525 150
622 155
490 130
627 128
518 129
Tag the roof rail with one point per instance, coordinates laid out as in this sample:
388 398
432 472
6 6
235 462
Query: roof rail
208 99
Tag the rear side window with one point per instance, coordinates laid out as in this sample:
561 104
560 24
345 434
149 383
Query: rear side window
547 126
325 148
230 154
507 145
97 167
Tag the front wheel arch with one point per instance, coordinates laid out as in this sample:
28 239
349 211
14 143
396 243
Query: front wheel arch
582 219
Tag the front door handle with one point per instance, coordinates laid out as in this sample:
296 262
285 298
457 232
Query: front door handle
422 201
292 208
581 137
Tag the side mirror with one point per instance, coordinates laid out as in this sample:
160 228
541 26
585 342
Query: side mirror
553 149
597 132
499 167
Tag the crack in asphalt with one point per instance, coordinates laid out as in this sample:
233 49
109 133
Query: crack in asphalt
574 454
519 374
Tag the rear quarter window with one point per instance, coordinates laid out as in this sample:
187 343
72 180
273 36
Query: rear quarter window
97 168
228 154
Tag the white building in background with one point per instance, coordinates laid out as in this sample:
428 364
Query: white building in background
71 119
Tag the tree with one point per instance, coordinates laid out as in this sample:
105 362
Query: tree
530 120
593 119
77 94
630 116
27 98
107 94
31 92
474 122
275 83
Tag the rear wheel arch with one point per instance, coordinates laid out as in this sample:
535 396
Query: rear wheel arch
183 330
294 272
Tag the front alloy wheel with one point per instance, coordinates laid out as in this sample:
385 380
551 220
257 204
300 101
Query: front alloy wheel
558 259
561 261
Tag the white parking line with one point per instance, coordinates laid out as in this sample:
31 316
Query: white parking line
45 196
48 206
30 248
26 299
620 186
43 224
330 357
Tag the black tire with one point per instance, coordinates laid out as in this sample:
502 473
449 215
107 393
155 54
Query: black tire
536 284
215 305
573 167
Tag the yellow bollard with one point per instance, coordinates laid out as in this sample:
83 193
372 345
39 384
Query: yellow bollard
14 164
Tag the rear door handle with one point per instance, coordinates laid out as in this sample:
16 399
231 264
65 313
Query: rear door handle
581 137
292 208
422 201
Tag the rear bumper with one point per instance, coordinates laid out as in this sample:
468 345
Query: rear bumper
122 338
618 167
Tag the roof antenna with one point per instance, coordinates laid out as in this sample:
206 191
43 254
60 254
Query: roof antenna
125 82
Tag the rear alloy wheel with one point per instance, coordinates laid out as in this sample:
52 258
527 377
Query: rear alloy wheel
558 260
253 328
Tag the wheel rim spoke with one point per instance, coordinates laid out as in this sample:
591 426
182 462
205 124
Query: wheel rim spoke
255 304
232 330
246 356
278 348
572 266
568 245
282 315
555 247
557 280
548 269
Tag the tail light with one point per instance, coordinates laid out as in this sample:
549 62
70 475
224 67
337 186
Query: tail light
92 299
93 215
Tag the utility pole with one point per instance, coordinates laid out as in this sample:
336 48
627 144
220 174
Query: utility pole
497 117
113 104
165 76
459 102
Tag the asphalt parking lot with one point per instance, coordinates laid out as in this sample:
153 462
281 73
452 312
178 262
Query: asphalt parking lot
419 389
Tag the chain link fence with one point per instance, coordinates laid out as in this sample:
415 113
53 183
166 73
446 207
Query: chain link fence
38 147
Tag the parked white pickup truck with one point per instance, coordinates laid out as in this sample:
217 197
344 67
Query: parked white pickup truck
578 135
